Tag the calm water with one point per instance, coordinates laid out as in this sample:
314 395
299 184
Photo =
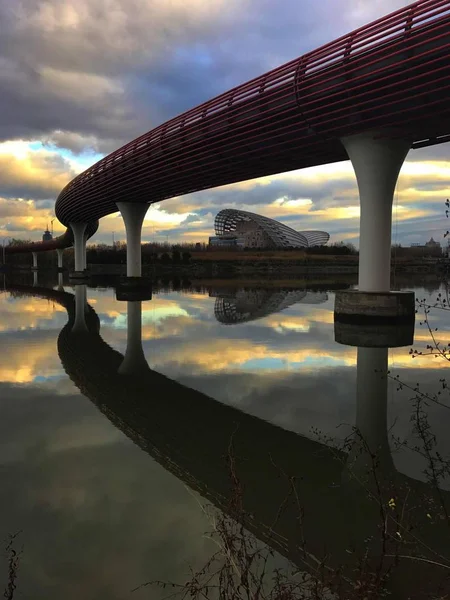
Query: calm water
105 473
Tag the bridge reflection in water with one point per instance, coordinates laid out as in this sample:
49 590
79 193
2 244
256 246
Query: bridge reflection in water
344 494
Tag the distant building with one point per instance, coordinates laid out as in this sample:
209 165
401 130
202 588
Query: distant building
429 249
47 235
248 230
227 239
430 244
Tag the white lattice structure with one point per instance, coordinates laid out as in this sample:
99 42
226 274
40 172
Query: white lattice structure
255 231
248 305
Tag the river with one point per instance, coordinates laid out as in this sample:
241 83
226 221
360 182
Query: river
113 470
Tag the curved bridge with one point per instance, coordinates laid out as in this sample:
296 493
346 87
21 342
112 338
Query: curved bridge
370 96
297 494
66 240
393 72
62 242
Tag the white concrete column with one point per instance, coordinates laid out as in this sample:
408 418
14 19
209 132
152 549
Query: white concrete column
60 282
133 215
35 278
79 324
35 260
377 162
60 253
85 247
134 361
79 243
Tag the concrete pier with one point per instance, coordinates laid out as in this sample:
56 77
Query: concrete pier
134 287
60 254
133 215
79 243
353 306
377 158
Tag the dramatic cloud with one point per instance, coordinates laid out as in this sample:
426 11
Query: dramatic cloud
77 142
114 68
23 219
38 174
72 66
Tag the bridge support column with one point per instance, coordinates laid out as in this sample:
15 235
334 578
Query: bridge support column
377 160
60 253
133 215
35 260
79 243
134 361
79 324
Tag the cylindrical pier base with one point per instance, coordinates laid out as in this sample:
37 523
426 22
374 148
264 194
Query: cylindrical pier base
134 289
374 335
353 306
78 276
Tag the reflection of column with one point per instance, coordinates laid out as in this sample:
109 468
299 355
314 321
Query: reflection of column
79 325
371 444
60 253
134 360
35 260
60 282
35 278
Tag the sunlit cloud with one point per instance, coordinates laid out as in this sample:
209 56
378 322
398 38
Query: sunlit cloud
34 174
159 216
25 361
29 313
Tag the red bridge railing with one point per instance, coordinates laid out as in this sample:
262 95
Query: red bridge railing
329 92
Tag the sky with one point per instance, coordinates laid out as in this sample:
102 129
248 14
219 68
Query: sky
80 78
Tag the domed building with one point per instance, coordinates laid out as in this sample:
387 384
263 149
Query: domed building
249 230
